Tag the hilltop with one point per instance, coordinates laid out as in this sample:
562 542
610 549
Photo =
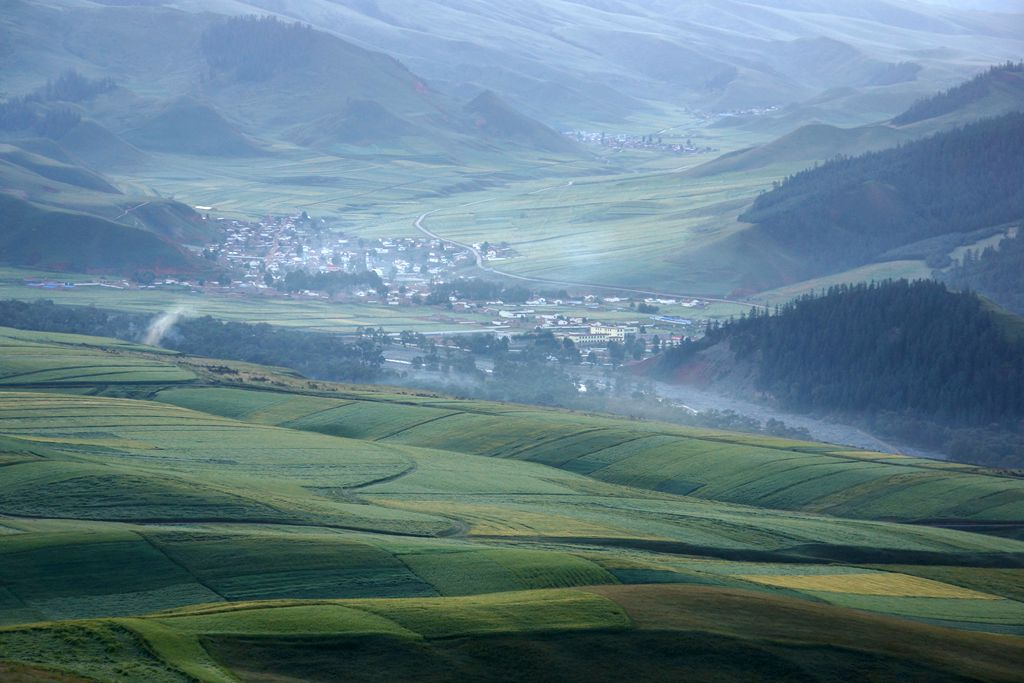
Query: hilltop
499 122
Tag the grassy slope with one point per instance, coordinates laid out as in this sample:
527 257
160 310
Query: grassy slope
704 634
739 469
116 507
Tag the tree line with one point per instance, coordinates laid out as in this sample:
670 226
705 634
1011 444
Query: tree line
314 354
473 289
252 48
995 272
45 111
959 96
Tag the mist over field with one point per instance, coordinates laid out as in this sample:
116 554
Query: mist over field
600 340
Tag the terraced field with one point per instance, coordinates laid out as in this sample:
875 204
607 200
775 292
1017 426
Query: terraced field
158 524
758 471
35 359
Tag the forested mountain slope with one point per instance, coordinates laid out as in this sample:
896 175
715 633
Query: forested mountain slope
904 355
997 272
852 211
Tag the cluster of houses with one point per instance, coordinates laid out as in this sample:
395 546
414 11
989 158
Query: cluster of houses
265 250
620 141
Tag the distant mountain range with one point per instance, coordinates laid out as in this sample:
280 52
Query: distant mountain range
214 85
599 60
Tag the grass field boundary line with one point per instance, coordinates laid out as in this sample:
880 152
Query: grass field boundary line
518 450
416 426
384 480
288 424
91 385
250 521
968 525
802 482
149 541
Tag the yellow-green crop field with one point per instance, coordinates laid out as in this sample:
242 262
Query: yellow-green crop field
166 522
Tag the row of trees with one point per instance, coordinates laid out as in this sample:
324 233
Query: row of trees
474 289
45 111
254 48
330 283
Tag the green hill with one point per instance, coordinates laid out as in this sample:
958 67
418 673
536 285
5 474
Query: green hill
187 126
998 91
361 122
994 272
52 169
818 142
499 122
99 148
956 186
60 240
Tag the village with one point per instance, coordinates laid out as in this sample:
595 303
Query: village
622 141
299 256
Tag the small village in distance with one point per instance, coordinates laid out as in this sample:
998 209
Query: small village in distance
299 256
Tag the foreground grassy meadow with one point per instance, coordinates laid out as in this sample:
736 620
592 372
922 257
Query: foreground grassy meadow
162 520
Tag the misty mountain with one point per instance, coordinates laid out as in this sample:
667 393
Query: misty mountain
714 55
997 91
213 85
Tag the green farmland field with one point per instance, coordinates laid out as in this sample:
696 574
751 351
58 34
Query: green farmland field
755 471
170 523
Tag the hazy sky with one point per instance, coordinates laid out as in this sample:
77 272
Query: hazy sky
990 5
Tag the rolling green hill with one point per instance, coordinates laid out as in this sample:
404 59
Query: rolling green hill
60 240
145 539
852 211
501 123
818 142
189 127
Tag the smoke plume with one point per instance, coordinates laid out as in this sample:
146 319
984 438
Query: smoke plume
159 327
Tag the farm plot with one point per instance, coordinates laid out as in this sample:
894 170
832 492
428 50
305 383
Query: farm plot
35 358
749 470
126 460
